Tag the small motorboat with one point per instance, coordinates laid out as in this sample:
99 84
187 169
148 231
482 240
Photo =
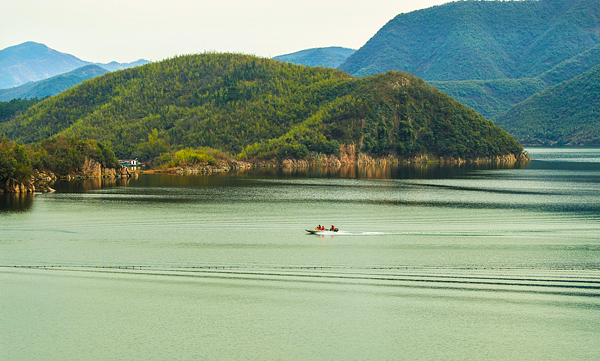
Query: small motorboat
322 232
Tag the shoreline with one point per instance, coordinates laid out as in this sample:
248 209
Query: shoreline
331 161
41 181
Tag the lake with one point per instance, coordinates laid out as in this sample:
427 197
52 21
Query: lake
431 262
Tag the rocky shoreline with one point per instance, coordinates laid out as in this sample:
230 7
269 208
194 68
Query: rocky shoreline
41 180
348 156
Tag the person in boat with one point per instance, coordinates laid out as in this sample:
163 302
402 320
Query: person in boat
333 229
318 227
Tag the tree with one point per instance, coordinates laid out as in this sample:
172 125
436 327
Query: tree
14 162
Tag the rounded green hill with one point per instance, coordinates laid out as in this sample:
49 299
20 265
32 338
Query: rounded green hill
259 108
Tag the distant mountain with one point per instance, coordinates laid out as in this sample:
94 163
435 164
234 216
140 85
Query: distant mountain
490 97
565 114
330 57
262 109
573 67
52 86
481 40
32 61
494 97
113 65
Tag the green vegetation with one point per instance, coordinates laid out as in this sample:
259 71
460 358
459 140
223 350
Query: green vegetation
221 101
393 114
493 55
52 86
61 155
494 97
469 40
9 110
14 162
490 97
190 157
66 154
571 68
261 108
566 114
331 57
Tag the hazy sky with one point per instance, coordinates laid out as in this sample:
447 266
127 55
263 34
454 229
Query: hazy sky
127 30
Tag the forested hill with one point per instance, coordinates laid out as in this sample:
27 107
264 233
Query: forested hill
566 114
494 97
51 86
261 108
467 40
330 57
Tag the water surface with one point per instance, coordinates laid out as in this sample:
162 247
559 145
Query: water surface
432 262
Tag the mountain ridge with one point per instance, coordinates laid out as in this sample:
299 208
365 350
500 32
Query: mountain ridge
483 40
330 57
51 86
564 114
31 61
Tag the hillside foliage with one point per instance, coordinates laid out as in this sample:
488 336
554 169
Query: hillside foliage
566 114
61 155
494 97
490 97
481 40
10 109
260 108
14 162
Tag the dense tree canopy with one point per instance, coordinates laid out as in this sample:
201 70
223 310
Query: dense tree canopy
14 162
261 108
468 40
566 114
14 107
61 155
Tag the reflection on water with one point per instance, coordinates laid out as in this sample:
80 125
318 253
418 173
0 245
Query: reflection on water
381 171
22 202
15 202
565 154
84 185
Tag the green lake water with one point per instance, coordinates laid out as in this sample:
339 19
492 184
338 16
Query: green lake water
431 262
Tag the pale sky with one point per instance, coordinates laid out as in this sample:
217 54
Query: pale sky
127 30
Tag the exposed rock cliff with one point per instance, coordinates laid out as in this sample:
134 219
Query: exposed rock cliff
91 168
350 155
42 180
14 186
